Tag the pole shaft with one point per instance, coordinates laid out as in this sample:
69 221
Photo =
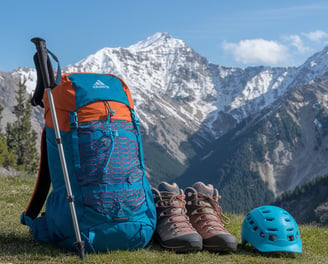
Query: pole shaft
64 165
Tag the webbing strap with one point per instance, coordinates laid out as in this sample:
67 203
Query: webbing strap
105 169
136 123
42 185
74 124
98 134
58 75
90 239
30 217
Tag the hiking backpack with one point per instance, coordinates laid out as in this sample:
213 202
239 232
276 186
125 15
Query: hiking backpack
102 144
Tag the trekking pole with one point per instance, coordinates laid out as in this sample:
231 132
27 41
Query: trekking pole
48 83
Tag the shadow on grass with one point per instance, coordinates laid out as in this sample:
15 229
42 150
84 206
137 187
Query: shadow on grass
246 250
251 251
17 244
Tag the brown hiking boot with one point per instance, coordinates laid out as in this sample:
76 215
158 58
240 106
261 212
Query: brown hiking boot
205 216
173 230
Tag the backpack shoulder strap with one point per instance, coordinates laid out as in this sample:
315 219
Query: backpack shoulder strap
42 186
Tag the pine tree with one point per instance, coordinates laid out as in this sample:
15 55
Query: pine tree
6 157
31 155
21 139
3 145
1 109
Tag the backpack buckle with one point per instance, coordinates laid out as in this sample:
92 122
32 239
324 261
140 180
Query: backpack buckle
73 120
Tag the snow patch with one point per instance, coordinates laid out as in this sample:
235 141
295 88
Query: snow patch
27 76
317 123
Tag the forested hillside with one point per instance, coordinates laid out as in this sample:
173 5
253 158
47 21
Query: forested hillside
308 203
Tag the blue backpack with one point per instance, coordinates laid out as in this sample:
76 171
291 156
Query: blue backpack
102 145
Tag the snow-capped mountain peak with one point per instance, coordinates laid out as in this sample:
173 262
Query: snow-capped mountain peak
317 63
156 40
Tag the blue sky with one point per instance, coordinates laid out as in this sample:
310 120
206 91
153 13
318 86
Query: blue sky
236 33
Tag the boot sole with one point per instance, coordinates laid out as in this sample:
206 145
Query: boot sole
188 246
183 248
226 248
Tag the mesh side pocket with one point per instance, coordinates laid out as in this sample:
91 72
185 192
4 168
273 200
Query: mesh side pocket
109 157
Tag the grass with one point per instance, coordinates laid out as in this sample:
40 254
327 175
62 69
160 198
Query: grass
18 246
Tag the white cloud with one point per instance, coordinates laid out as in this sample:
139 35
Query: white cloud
289 50
262 51
316 36
297 42
306 42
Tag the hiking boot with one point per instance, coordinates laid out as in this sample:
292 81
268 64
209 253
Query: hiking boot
206 217
173 230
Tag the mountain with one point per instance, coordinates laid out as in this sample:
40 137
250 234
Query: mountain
232 127
276 150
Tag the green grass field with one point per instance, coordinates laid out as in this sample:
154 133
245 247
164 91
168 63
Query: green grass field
18 246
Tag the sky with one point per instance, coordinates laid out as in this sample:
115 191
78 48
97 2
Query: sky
236 33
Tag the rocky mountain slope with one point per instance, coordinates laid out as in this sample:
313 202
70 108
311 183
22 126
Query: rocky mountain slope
274 151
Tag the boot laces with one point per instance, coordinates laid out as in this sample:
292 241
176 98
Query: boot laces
209 212
173 207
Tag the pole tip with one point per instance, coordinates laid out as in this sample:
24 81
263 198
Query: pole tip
81 249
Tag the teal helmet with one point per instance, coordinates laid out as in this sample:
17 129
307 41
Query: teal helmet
271 229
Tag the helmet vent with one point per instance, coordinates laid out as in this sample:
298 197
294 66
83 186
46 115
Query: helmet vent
272 238
291 238
270 219
266 211
272 229
255 228
287 219
290 229
251 222
262 234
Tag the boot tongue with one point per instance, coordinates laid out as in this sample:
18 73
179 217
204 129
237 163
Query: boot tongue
205 204
206 190
169 191
169 188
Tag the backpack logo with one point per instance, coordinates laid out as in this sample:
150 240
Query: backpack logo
99 84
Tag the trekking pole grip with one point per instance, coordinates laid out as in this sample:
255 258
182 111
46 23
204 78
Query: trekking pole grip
42 54
39 43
